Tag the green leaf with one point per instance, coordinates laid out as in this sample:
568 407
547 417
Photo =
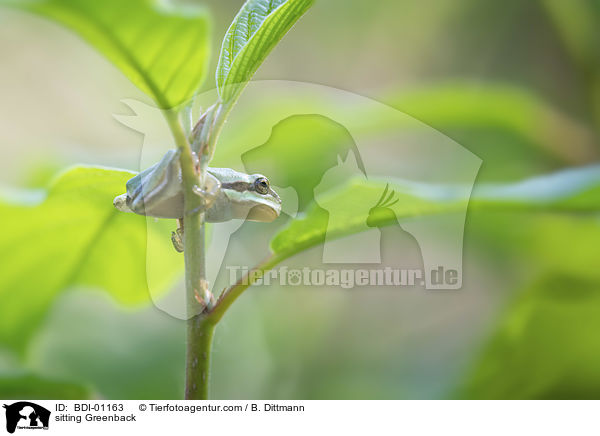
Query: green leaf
516 133
544 344
497 106
576 22
349 204
571 190
118 352
75 237
162 50
576 190
31 386
255 31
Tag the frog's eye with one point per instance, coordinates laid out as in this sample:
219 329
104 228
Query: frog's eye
261 185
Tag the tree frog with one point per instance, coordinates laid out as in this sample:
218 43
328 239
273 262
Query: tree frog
227 194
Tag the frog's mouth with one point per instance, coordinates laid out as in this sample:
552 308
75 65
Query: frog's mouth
264 213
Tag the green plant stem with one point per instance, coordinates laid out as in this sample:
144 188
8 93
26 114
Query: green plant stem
199 328
215 120
200 331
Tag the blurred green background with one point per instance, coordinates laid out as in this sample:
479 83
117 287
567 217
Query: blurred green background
516 82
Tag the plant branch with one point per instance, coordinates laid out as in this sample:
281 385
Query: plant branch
212 123
199 328
200 331
232 293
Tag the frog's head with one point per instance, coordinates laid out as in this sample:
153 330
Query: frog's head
252 198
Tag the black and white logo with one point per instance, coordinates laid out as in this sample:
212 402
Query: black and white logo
26 415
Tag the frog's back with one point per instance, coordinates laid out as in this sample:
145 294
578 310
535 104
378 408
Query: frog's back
156 191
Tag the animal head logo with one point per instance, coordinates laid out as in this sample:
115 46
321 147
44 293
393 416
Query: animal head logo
26 415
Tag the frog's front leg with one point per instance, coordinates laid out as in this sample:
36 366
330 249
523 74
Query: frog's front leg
209 194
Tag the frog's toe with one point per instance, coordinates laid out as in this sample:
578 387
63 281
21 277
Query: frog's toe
177 240
120 203
208 196
204 297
